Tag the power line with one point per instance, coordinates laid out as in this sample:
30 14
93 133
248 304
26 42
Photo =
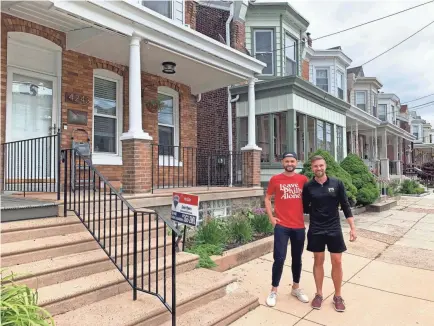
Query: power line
421 105
372 21
417 99
363 24
418 31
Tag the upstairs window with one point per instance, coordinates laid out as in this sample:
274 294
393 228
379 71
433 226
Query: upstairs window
322 79
340 84
163 7
290 56
264 49
382 112
361 100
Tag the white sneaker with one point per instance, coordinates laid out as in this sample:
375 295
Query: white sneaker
271 300
298 293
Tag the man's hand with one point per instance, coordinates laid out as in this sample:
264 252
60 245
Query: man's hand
353 235
274 220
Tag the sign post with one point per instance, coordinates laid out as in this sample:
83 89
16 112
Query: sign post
185 210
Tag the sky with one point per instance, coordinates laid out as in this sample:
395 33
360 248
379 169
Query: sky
407 70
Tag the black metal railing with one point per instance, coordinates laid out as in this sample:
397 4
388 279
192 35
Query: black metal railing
181 167
32 165
137 242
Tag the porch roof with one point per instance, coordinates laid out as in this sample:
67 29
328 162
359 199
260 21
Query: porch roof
362 118
426 146
103 29
395 130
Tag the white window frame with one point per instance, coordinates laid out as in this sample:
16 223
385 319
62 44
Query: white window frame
273 56
328 77
171 160
287 35
172 10
339 73
365 96
107 158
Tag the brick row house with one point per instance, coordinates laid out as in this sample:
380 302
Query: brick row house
132 77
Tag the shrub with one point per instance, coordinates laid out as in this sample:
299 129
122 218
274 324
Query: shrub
213 231
393 188
19 305
362 178
411 187
333 170
260 222
205 251
240 229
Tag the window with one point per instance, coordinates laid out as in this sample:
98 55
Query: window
301 132
291 56
263 136
340 143
329 138
415 131
214 209
311 131
242 132
393 114
322 79
106 112
264 49
361 100
382 112
168 121
280 141
340 84
163 7
320 144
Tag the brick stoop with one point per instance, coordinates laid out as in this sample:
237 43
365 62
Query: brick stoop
79 285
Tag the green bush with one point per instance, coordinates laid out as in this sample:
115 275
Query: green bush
260 222
205 251
213 231
393 188
19 305
333 170
362 178
240 229
411 187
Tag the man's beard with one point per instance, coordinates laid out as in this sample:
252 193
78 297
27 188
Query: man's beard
319 174
289 168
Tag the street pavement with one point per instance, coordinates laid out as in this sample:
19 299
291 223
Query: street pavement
388 275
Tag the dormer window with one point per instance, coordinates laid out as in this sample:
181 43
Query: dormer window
264 49
163 7
290 56
340 84
322 78
361 100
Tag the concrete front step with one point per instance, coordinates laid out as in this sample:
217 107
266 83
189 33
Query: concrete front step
64 268
81 292
221 312
195 288
28 251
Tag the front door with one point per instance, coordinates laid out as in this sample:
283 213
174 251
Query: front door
31 118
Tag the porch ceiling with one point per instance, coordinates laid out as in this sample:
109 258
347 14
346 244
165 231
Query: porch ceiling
396 131
103 29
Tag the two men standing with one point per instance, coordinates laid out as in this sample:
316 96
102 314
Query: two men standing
320 198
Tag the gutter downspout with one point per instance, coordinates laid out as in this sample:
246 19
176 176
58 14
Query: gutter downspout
230 141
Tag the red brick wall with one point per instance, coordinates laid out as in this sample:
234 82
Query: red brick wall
77 77
190 13
305 70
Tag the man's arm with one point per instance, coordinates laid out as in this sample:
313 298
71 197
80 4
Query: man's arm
306 199
268 196
343 200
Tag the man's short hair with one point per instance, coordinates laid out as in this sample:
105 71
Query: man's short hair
316 158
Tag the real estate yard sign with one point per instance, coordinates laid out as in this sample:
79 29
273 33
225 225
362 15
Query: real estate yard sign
185 209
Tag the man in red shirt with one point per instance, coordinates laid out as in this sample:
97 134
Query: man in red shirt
288 222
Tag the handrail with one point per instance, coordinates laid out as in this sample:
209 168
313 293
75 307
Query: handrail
122 231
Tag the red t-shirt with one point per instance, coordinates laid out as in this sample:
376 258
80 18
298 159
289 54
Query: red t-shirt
288 205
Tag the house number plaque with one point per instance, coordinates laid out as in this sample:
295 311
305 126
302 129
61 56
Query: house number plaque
76 98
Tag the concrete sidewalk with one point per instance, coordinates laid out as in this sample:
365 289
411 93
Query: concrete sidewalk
388 275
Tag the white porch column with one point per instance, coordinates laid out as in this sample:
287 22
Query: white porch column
352 140
384 160
375 144
251 118
357 139
135 94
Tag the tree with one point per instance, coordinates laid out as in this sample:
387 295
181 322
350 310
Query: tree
363 180
333 170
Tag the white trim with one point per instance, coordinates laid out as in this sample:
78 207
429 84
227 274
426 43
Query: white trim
109 158
328 77
339 71
173 160
56 108
365 94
